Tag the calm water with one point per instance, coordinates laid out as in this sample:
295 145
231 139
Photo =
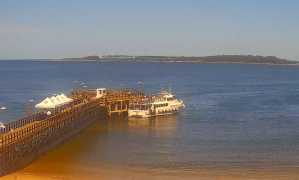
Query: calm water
236 115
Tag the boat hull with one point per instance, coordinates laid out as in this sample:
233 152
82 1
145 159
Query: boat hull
147 114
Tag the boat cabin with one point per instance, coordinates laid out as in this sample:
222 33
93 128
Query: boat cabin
101 92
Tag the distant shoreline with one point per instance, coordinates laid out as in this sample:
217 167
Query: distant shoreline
157 62
221 59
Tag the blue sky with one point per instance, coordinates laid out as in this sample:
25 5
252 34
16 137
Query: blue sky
57 28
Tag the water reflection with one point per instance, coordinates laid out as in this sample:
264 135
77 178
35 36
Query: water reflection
134 142
160 126
118 142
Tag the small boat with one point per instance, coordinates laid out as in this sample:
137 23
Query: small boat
164 103
3 108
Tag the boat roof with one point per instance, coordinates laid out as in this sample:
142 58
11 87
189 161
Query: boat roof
165 94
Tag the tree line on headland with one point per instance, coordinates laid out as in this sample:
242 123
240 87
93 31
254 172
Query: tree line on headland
242 59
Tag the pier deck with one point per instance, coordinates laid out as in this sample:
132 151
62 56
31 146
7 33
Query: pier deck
24 140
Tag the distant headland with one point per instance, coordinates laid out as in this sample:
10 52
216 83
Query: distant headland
92 58
225 59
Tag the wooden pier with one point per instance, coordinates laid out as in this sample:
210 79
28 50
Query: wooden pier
24 140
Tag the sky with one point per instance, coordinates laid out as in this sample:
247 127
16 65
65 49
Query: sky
72 28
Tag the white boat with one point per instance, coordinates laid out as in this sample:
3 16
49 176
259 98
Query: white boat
163 104
3 108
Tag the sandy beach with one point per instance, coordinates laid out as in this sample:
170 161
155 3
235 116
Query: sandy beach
31 173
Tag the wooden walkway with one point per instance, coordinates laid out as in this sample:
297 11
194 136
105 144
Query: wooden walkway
24 140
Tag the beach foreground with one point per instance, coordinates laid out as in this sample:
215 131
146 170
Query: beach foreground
32 173
69 162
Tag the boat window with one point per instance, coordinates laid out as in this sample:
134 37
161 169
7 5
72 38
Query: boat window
144 107
170 99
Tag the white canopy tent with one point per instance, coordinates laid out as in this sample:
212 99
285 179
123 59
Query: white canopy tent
45 104
53 102
65 98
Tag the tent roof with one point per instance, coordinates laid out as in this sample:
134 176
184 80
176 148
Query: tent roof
53 102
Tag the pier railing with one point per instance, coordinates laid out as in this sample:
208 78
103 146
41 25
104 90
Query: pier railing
38 116
22 122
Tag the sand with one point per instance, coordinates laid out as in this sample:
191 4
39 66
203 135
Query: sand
110 173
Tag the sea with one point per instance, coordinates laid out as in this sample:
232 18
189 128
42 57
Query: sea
236 115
